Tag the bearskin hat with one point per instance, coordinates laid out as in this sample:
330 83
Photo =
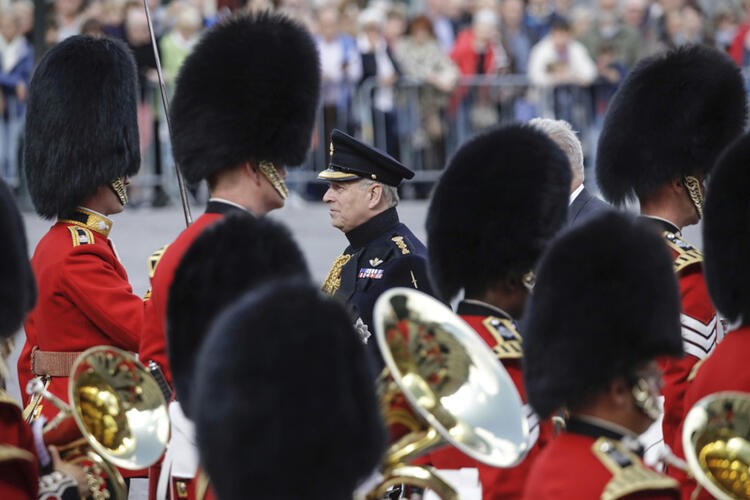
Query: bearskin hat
283 382
248 91
232 256
672 117
81 123
17 287
502 197
605 301
726 233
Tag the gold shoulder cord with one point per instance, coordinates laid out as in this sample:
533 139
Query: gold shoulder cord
333 280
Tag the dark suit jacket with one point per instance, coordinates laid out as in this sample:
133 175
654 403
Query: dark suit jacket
585 206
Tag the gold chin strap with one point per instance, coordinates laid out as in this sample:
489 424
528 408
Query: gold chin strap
693 187
119 188
529 280
270 172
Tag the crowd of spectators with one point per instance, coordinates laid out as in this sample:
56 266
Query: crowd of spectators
413 77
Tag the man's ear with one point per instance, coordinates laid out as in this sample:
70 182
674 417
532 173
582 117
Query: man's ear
374 195
620 392
251 170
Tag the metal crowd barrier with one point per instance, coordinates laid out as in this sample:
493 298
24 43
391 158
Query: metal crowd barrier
424 145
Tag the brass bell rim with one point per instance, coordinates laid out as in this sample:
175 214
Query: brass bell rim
138 457
476 345
696 423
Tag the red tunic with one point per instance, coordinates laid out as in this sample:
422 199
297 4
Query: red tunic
701 329
576 466
153 345
724 370
84 298
163 264
500 334
19 466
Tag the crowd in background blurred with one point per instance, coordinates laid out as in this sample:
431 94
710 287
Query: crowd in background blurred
415 78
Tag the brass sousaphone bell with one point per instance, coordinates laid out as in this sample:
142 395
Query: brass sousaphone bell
456 392
117 416
716 440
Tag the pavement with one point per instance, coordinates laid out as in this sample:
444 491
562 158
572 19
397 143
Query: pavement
137 232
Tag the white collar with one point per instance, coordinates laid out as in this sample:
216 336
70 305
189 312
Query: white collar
222 200
575 194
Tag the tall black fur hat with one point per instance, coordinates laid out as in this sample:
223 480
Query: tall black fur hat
605 301
248 91
502 197
726 233
283 382
81 122
672 117
229 258
17 285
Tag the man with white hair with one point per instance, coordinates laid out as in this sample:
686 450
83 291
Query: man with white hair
583 204
383 253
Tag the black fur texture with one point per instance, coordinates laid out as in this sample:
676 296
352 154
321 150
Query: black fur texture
726 233
17 286
233 256
672 117
248 91
502 197
81 123
284 390
605 301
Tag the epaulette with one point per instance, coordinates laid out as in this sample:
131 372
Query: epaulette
81 235
401 244
154 259
629 475
685 254
507 338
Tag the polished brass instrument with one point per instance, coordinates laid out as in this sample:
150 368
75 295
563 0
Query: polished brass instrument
716 440
444 385
117 416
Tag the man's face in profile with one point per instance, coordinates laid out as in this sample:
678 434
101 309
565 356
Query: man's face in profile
348 204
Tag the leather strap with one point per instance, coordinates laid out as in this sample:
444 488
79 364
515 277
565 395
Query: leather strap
52 363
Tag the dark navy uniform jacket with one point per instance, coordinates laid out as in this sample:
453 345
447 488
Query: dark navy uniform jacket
384 254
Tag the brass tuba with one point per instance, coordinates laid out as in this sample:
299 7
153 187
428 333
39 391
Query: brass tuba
117 416
444 384
716 440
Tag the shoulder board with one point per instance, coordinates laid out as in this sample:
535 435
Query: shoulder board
401 244
154 259
9 453
685 253
629 475
507 338
81 235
